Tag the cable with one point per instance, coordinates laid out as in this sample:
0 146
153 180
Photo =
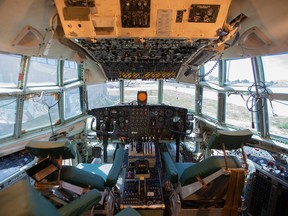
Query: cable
260 93
51 124
213 67
8 103
49 107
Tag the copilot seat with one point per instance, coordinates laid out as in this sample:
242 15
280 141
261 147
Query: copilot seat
216 178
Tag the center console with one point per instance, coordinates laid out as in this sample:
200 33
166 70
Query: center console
142 187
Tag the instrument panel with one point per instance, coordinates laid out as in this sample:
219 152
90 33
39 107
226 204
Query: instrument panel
134 121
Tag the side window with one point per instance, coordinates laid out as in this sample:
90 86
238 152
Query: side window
7 117
210 103
42 72
72 105
40 110
9 70
70 72
276 81
239 72
237 112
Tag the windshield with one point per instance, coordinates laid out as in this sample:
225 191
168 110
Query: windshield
174 93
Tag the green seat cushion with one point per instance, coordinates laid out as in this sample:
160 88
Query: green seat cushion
181 167
206 168
82 178
108 173
53 149
22 199
231 139
98 169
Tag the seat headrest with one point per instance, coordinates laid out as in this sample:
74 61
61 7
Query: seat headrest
231 139
53 149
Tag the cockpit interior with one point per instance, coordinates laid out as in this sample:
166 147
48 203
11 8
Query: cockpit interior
144 107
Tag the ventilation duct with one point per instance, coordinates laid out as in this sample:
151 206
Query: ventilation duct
28 38
254 38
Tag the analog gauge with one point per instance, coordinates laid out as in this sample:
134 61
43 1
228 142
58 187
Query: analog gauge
106 113
121 119
169 113
113 111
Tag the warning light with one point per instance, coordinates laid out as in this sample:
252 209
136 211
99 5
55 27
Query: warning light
142 97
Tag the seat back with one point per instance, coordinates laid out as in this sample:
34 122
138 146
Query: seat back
205 168
22 199
53 149
228 140
231 139
116 168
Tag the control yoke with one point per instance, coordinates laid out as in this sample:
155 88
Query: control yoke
103 128
177 129
105 133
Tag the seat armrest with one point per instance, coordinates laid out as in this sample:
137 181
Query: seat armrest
170 167
79 205
82 178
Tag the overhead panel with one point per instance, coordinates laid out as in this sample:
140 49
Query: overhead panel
142 18
145 39
131 58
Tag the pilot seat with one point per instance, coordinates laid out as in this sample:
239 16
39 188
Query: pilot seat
22 199
214 185
102 177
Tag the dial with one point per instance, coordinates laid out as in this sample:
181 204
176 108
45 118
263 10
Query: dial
169 113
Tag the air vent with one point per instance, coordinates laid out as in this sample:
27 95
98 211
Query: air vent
28 38
254 38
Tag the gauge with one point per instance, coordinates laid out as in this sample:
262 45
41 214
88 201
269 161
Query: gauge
169 113
113 111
